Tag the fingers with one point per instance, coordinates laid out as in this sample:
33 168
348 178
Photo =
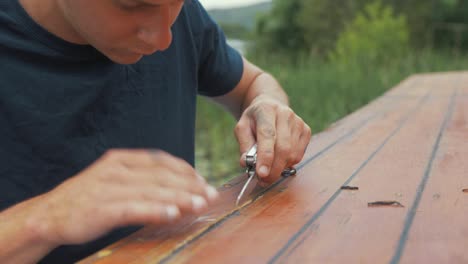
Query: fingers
137 158
284 146
282 138
156 177
137 213
245 137
303 143
163 184
186 202
124 187
167 179
266 139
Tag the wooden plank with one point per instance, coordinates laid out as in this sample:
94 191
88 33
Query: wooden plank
440 223
293 204
386 149
364 234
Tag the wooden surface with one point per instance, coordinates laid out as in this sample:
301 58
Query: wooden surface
406 152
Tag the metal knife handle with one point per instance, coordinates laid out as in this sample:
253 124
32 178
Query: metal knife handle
251 157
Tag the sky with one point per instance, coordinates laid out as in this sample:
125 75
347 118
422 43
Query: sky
209 4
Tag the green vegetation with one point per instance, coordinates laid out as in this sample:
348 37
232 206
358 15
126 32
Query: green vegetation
235 31
321 93
332 68
375 30
241 16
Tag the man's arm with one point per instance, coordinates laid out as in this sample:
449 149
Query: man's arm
122 188
254 82
265 118
20 241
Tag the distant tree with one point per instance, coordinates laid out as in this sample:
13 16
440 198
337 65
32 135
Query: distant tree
451 24
323 20
298 27
375 37
279 31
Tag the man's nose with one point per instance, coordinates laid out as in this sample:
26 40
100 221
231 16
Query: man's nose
156 31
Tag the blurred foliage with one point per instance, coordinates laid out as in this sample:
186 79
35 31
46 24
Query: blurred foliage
235 31
320 92
312 27
322 21
280 29
334 56
376 36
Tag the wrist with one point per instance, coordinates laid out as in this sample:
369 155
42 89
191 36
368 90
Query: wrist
269 99
38 226
21 234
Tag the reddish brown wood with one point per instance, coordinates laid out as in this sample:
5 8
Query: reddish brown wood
406 152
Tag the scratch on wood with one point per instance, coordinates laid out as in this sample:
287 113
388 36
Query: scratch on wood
323 190
385 203
350 188
205 219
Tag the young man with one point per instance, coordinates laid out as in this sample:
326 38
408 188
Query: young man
87 88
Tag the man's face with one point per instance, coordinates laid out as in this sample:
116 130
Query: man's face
123 30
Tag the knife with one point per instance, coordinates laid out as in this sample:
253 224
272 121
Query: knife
251 183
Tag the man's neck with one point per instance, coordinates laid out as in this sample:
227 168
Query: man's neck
48 14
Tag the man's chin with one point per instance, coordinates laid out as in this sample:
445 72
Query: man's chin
127 58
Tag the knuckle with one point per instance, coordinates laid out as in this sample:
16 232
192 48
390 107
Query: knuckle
256 109
145 196
113 155
261 109
195 187
297 158
308 131
158 154
127 213
283 149
267 131
113 172
286 111
267 154
184 201
240 126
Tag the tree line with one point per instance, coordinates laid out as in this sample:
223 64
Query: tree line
316 27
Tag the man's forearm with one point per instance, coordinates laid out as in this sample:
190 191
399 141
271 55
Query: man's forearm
20 240
264 85
255 83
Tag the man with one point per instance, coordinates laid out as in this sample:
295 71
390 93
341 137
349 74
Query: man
87 88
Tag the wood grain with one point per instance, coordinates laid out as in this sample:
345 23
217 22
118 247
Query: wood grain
405 156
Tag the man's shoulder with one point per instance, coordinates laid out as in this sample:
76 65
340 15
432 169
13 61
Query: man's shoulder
196 17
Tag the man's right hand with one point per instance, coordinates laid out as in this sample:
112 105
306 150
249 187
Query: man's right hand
123 187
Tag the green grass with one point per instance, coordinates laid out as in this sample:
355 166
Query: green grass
321 93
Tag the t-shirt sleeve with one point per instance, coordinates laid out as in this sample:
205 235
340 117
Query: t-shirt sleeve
220 67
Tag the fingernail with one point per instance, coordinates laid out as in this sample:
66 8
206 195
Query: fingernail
212 193
263 171
198 203
173 212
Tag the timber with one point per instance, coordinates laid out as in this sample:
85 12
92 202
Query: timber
386 184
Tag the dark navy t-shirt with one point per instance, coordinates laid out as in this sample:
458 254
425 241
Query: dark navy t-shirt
63 105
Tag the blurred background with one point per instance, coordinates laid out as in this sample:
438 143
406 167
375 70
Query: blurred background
331 56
